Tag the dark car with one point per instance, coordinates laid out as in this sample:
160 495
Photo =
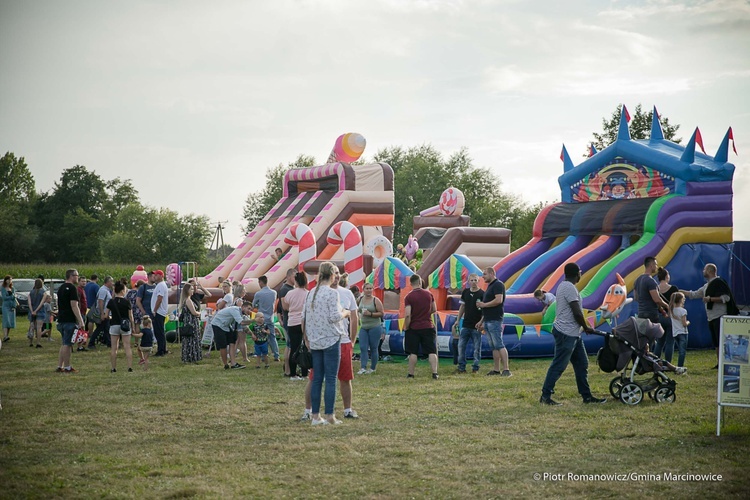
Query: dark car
23 287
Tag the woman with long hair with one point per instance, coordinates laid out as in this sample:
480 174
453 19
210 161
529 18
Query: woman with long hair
294 303
371 329
9 306
190 316
38 297
666 343
323 328
121 310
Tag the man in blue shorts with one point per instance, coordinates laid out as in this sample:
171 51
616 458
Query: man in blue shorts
68 318
492 318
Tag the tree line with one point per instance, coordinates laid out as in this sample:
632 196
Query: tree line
85 218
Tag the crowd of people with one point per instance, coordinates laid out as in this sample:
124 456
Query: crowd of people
329 319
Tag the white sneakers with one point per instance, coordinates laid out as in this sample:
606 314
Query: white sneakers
365 371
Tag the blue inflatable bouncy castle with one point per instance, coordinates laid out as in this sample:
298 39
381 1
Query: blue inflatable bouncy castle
633 199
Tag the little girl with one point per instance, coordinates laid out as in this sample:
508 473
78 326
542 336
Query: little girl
147 341
680 323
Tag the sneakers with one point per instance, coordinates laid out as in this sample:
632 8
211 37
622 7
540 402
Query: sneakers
475 370
226 367
409 375
549 401
435 376
680 370
350 414
370 371
82 349
362 371
335 421
305 417
506 373
459 370
130 370
58 370
493 372
69 369
238 366
593 400
113 370
321 421
39 346
295 378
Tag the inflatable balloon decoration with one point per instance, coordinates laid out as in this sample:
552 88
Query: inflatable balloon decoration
138 274
347 148
615 299
411 248
380 248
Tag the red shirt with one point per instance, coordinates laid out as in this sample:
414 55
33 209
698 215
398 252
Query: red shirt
82 300
420 301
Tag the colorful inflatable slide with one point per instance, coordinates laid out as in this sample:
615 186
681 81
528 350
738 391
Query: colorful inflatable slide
318 197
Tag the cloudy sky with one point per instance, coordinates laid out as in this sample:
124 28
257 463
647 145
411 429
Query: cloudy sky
194 100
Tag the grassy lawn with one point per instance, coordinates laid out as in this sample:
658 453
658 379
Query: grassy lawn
199 431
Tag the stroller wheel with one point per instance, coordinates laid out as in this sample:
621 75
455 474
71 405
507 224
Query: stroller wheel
665 395
615 387
631 394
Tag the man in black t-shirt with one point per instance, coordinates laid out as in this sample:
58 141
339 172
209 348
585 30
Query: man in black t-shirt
68 318
492 318
471 315
646 292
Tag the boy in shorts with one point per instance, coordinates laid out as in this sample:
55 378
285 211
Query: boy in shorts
260 333
147 341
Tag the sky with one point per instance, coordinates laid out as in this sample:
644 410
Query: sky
193 101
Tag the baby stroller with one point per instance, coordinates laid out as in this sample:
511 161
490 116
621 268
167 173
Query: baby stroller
629 342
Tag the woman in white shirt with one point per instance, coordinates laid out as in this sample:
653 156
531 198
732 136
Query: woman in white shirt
323 328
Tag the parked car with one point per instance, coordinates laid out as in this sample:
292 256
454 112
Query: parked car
23 287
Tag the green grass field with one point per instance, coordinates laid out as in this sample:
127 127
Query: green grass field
199 431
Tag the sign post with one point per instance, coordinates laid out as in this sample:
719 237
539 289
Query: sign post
734 365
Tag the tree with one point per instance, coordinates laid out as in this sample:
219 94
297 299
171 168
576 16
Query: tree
17 195
18 182
640 127
259 203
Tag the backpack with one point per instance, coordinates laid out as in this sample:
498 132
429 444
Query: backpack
606 358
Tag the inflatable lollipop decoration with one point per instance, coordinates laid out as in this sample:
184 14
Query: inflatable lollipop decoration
138 274
452 202
174 274
410 250
346 233
347 148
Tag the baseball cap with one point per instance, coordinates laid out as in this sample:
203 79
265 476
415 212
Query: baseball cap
159 272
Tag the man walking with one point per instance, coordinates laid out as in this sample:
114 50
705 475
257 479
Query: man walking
159 310
718 299
472 315
68 318
264 301
493 313
419 328
91 289
569 347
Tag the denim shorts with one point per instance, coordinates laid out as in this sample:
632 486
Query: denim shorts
66 330
261 349
494 331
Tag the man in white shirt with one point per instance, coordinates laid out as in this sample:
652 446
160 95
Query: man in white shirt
351 325
224 325
159 304
103 297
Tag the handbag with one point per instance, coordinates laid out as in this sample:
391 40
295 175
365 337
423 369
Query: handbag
303 357
94 315
125 325
185 328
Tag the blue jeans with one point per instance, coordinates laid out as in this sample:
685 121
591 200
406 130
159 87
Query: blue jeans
272 342
476 340
682 342
369 339
666 343
568 350
325 366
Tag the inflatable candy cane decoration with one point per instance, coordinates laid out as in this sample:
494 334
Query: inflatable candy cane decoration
345 232
301 235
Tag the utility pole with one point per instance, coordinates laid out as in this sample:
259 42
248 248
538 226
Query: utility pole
218 238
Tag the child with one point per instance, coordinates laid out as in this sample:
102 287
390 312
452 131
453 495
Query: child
147 341
260 334
680 323
545 298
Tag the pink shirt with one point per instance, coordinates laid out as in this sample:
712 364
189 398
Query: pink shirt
296 300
